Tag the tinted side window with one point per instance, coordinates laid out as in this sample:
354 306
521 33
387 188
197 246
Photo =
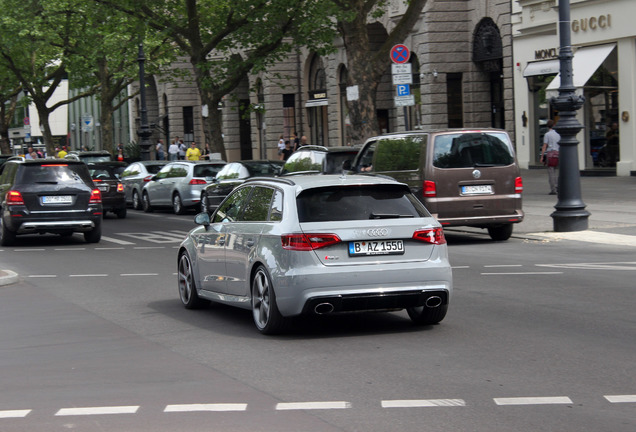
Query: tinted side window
358 203
59 173
366 157
178 171
398 154
231 208
163 173
276 215
471 150
257 208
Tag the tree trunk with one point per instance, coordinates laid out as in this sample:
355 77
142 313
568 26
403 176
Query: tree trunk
106 120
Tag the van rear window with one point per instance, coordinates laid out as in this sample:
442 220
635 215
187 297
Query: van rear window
358 203
468 150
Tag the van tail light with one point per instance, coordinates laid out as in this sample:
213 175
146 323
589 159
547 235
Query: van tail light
518 185
198 182
96 197
432 236
14 198
307 242
120 187
430 190
147 178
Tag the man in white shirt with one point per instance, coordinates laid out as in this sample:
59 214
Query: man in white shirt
551 144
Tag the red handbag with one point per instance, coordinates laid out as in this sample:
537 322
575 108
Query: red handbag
552 158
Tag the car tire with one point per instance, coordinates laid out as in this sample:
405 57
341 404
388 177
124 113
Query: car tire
147 207
267 317
187 284
423 315
94 235
136 201
204 202
177 204
8 237
500 232
121 213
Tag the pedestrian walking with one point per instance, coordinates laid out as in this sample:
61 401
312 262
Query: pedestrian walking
160 151
173 151
550 155
193 153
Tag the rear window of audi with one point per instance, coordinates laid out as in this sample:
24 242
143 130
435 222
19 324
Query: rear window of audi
342 203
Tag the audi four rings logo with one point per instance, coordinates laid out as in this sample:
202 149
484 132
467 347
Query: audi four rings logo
377 232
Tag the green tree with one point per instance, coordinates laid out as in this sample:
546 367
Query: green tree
9 92
365 66
225 41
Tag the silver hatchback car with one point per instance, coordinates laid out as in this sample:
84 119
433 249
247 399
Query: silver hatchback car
179 185
284 247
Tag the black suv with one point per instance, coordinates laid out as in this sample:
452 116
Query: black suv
48 196
313 159
107 178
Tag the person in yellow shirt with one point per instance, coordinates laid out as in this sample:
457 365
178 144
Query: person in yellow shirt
193 153
62 153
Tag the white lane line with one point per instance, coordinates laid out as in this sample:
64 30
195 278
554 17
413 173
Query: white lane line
503 265
206 407
29 250
88 275
42 276
14 413
139 274
459 267
132 409
312 405
114 240
419 403
621 398
69 249
110 248
149 247
520 273
591 237
548 400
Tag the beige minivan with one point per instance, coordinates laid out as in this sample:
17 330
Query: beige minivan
464 177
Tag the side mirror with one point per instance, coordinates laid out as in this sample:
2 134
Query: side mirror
202 218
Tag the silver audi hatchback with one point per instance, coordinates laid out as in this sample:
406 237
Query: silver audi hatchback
330 244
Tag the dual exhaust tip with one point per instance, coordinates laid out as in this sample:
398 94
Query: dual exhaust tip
327 308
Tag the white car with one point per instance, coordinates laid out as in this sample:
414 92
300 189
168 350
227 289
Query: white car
327 244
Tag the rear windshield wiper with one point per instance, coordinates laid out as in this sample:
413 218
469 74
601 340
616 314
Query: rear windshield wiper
388 216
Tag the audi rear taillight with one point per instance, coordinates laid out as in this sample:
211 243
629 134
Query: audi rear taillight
307 242
14 198
96 197
120 187
198 182
432 236
518 185
430 190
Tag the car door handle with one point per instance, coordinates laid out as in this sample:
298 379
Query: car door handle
249 242
222 241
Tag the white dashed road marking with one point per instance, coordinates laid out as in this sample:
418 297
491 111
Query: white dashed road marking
422 403
98 410
206 407
312 405
621 398
551 400
14 413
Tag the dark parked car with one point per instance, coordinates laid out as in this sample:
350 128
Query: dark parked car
313 159
107 178
90 156
135 176
234 174
48 196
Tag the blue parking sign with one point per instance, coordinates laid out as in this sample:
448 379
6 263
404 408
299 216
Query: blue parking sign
403 89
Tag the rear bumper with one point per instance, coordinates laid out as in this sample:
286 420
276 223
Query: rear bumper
56 226
482 221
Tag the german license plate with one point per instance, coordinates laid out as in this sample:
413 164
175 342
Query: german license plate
476 189
376 247
57 199
103 187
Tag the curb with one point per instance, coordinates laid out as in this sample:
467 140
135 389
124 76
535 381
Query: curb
8 277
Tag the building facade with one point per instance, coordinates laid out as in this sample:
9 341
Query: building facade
604 73
461 61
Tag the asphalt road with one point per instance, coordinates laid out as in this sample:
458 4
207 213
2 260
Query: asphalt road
539 337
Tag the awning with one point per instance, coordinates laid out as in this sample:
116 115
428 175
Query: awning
548 67
316 102
585 62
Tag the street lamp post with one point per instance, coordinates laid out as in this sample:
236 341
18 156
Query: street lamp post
570 214
144 131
